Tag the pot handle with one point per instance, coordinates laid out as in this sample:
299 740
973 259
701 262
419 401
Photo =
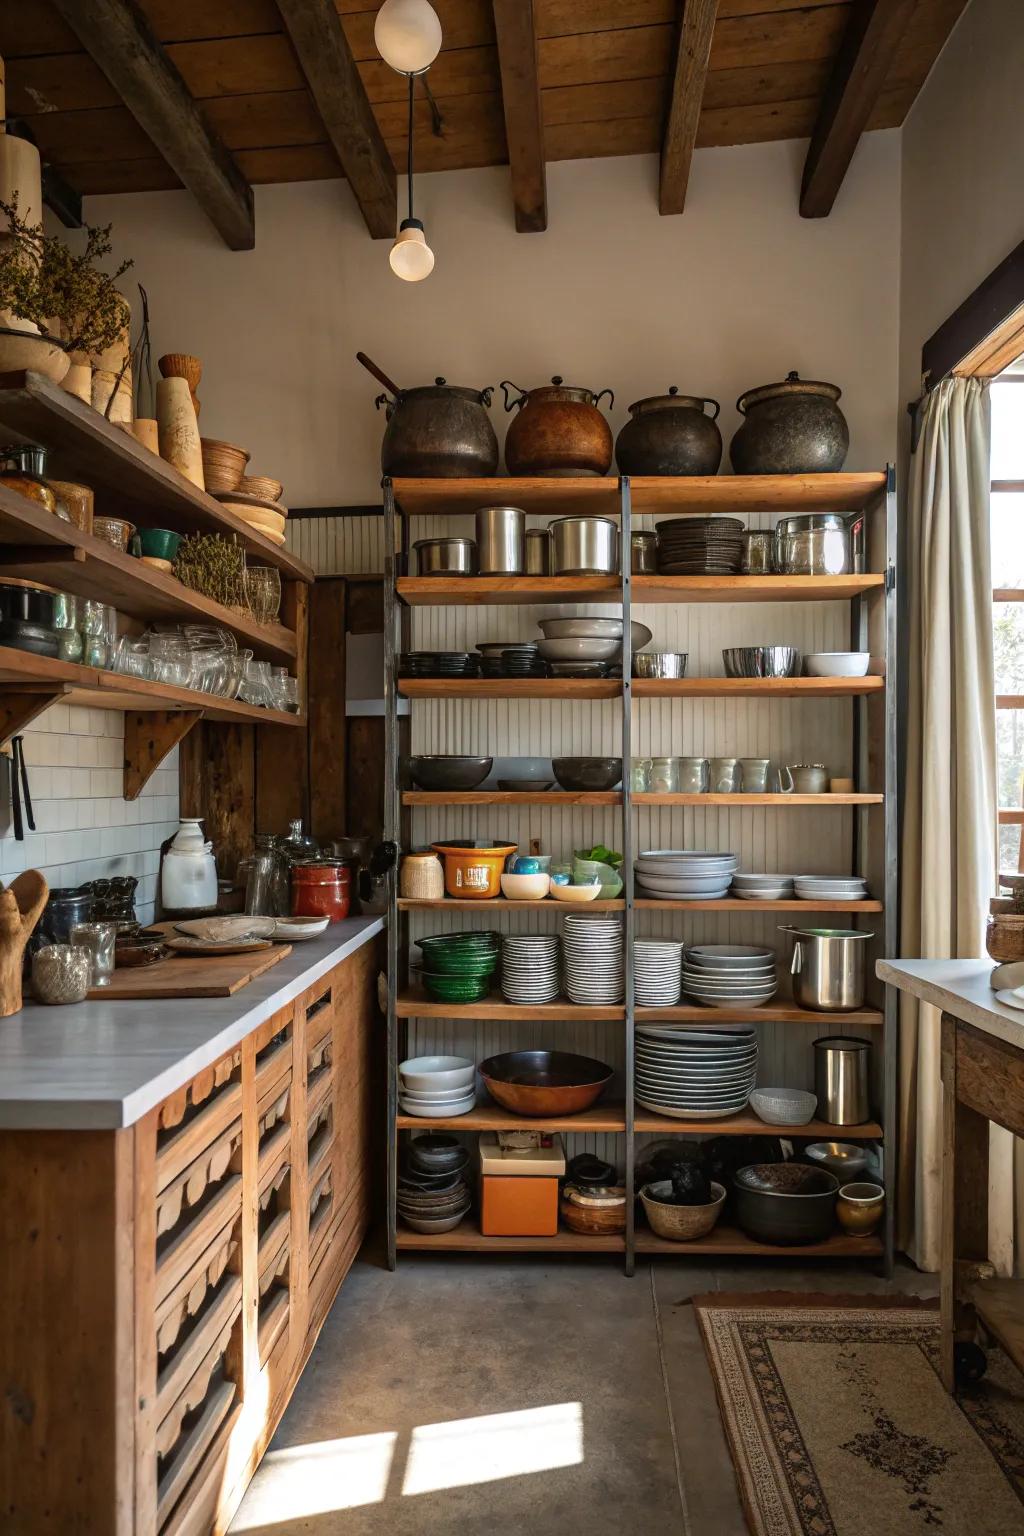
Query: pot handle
708 401
505 386
599 397
485 395
796 964
385 399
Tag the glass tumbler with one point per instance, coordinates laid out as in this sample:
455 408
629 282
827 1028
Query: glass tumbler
98 939
263 585
664 775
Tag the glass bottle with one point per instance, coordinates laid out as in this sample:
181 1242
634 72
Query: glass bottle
266 888
22 469
298 845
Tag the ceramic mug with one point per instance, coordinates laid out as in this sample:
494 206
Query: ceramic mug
803 779
693 775
156 543
755 775
724 775
860 1207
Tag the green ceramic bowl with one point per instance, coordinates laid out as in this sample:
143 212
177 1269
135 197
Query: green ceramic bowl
157 543
456 989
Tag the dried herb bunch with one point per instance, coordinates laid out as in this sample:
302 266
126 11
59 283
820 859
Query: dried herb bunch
210 565
42 280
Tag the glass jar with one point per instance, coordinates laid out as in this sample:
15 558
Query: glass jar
298 845
98 939
60 973
22 469
266 887
640 775
664 775
757 553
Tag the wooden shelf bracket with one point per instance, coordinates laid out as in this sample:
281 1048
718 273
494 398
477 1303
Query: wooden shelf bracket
20 706
148 737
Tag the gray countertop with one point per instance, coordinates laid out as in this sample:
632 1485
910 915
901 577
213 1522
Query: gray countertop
102 1065
960 987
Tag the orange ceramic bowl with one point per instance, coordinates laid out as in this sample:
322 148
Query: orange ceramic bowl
473 870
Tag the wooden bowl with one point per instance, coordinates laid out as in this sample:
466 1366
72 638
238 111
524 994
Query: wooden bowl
257 517
262 486
181 365
681 1223
223 464
593 1215
541 1084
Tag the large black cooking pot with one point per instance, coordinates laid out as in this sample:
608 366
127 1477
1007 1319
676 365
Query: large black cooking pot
670 435
794 427
438 430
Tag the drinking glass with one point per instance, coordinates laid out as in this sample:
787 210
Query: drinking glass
98 939
664 775
263 584
640 775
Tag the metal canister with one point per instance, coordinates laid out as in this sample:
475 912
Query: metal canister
828 968
813 544
538 552
841 1079
585 546
501 540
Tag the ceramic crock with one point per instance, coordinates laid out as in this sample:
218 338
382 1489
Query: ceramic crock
791 428
558 430
670 435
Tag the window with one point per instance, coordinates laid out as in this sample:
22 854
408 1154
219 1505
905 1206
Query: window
1008 608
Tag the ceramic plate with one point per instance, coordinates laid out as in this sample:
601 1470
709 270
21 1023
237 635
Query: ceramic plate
293 928
184 946
220 929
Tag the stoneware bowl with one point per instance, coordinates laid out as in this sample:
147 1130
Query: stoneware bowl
525 887
842 1158
860 1208
785 1203
587 773
680 1223
433 1073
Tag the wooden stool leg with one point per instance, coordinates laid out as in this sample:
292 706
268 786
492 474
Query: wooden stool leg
964 1204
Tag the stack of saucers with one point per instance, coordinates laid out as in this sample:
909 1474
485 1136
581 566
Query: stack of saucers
437 1087
763 887
529 968
433 1195
700 546
729 975
657 972
523 661
438 664
593 960
684 874
695 1074
830 887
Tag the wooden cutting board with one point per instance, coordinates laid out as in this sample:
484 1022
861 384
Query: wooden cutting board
190 975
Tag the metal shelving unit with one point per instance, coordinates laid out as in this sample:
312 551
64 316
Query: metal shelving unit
872 600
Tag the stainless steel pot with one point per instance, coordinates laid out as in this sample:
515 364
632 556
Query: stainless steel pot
585 546
841 1079
446 557
501 540
819 544
538 552
828 968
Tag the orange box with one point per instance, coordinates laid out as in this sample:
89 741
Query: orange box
519 1207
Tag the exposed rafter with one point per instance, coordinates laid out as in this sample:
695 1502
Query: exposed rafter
693 51
872 36
524 125
340 96
121 41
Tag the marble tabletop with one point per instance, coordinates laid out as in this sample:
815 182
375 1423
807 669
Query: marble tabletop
960 987
102 1065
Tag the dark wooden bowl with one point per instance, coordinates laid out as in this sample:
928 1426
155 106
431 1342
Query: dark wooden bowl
542 1084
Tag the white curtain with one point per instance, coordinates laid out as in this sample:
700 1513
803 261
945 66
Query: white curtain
949 837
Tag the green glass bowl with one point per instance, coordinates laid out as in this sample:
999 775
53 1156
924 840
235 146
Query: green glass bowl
456 989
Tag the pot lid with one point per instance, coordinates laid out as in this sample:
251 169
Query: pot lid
811 522
792 384
558 390
667 402
440 389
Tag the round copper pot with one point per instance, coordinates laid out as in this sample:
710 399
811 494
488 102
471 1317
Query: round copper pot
558 431
543 1084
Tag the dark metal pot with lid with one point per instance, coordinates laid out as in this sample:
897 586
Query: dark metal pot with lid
558 431
438 430
794 427
670 435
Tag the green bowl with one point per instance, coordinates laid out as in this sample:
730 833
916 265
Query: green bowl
156 543
456 989
442 966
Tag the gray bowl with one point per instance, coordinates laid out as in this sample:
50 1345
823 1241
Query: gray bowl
761 661
585 774
450 772
842 1158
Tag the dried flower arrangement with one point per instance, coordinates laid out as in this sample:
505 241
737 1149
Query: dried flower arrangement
43 281
211 565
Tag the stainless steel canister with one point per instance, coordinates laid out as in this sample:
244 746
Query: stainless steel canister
501 540
817 544
828 968
538 552
585 546
446 557
841 1079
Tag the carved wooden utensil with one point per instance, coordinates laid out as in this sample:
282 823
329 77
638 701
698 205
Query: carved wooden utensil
21 907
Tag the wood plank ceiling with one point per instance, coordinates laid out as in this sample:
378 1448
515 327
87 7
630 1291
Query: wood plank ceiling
606 71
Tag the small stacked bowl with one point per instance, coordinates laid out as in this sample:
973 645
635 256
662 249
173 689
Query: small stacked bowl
437 1087
433 1195
458 967
593 960
762 887
830 887
695 1074
729 975
657 972
529 968
685 874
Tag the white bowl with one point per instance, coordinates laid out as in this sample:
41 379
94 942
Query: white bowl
837 664
575 892
783 1106
592 628
525 887
579 649
427 1111
428 1073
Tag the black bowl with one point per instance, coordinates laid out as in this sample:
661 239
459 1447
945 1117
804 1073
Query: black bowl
785 1203
458 773
587 773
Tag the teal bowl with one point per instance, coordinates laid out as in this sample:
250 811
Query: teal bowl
156 543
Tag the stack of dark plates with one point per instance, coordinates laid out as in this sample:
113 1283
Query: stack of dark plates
523 661
433 1195
584 669
438 664
700 546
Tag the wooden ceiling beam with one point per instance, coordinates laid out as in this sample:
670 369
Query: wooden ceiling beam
872 37
121 41
524 122
693 50
333 78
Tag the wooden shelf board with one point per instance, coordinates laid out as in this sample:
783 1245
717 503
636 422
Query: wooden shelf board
445 591
737 904
774 802
755 687
597 495
1000 1305
110 690
725 1239
752 589
843 492
746 1123
415 1004
769 1013
128 479
43 548
502 904
467 1238
491 1117
510 687
510 797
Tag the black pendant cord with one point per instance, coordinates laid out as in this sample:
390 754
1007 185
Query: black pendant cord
412 87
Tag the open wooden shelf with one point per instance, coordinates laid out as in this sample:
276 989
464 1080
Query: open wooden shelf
445 591
545 496
415 1004
746 1123
755 687
502 904
725 1239
129 480
549 797
608 1116
37 546
773 802
752 589
737 904
767 1013
510 687
467 1238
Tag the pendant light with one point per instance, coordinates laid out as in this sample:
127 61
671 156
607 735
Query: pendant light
408 35
411 257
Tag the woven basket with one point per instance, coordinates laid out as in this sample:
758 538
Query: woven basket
1004 936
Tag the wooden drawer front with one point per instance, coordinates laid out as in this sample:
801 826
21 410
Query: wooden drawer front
199 1203
189 1427
191 1121
274 1062
182 1308
274 1294
196 1511
193 1345
321 1140
318 1013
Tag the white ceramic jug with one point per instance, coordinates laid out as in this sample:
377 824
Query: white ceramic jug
188 877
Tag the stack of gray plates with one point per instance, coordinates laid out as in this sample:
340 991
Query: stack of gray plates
657 972
684 874
695 1074
593 960
763 887
831 887
729 975
529 968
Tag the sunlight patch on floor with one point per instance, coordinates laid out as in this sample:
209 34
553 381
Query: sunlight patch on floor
317 1479
462 1452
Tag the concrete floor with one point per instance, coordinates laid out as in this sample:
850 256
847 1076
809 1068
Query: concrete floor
516 1397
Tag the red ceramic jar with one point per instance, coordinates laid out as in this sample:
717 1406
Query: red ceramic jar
321 888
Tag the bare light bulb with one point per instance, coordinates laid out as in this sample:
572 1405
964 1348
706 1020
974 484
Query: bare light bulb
411 257
408 35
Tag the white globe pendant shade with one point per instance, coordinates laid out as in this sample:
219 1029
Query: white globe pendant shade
408 35
411 257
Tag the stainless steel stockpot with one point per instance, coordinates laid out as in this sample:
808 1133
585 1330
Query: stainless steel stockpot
828 968
584 546
446 557
818 544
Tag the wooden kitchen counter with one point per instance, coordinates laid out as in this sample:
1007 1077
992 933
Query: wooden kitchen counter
183 1186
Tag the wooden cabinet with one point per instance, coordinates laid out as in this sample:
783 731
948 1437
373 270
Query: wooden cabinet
161 1287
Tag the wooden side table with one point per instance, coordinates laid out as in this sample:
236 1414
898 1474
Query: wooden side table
982 1082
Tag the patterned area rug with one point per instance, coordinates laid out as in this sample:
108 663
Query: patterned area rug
839 1426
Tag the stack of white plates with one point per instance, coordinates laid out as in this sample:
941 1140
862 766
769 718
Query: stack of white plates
437 1087
763 887
529 968
830 887
684 874
729 975
593 960
657 972
695 1074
